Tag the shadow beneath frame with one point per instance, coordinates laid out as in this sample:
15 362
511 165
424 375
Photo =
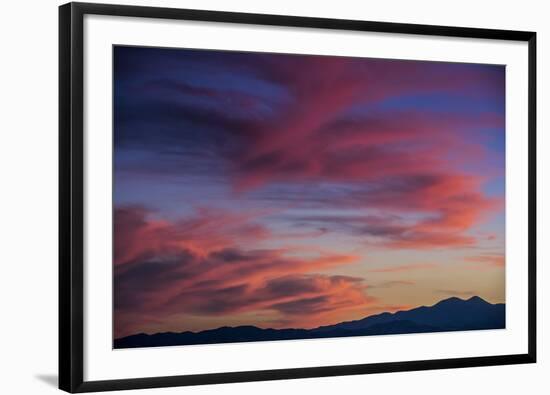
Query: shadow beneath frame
50 379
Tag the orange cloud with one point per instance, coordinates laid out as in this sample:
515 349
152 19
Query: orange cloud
489 260
404 268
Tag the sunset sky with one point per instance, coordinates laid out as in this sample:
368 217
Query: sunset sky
296 191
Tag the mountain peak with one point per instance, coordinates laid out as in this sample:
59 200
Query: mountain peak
457 301
450 314
477 299
451 300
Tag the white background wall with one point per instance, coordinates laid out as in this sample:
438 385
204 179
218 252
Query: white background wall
28 180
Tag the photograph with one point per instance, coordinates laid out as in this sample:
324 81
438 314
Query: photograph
275 197
262 196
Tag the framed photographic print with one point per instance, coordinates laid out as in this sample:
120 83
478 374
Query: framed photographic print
257 197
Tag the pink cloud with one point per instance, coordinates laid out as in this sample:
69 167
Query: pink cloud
315 141
163 276
315 136
445 207
137 236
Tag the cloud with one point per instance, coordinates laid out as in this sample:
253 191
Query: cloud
404 268
296 134
139 236
266 120
487 260
445 207
369 148
391 284
280 117
162 276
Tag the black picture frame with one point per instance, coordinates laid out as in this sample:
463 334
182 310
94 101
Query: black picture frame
71 195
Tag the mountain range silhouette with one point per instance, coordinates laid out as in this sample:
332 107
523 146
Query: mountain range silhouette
452 314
